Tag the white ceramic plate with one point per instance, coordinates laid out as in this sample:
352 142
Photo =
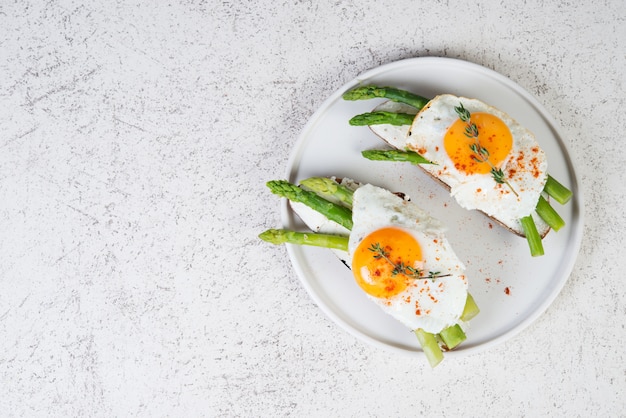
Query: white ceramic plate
511 288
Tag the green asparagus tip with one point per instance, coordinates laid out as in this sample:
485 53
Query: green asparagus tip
282 236
391 93
283 188
273 236
382 118
329 188
395 155
362 93
332 211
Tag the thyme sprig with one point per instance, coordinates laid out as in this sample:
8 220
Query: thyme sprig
401 267
481 154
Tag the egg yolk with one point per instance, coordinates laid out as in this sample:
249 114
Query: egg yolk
493 136
375 273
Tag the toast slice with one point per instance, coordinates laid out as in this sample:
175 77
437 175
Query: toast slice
397 136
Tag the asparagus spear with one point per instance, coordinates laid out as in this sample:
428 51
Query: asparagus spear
394 155
452 336
557 191
391 93
328 188
430 346
470 310
548 214
381 118
532 236
332 211
282 236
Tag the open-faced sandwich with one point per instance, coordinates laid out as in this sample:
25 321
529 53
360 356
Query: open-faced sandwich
486 159
398 254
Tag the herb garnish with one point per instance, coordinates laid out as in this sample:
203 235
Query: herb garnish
481 154
401 268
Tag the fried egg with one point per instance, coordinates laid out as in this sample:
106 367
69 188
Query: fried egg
402 261
466 162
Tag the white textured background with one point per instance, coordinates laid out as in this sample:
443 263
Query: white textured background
135 141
